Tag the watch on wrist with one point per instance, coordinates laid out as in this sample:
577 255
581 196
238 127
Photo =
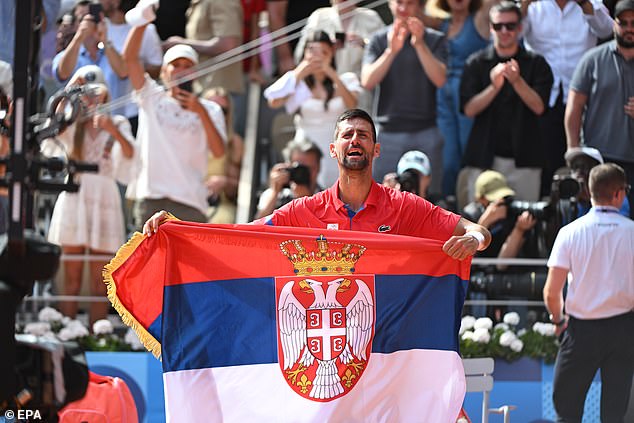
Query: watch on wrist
559 323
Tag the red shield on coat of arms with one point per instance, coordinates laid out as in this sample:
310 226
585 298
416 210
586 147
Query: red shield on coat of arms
315 336
326 332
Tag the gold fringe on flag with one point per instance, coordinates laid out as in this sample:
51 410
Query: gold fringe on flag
150 342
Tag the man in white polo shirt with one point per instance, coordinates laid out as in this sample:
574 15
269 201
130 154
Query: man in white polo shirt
596 254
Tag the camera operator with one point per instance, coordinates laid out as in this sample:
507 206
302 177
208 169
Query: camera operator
491 210
580 161
511 232
295 178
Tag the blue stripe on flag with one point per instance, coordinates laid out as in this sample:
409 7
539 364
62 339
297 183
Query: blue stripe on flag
232 322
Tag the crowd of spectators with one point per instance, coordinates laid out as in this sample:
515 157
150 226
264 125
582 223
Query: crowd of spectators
457 88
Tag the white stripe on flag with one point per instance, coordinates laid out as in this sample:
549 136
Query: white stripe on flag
405 386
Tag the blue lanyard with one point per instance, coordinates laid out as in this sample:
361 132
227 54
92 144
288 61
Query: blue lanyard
606 210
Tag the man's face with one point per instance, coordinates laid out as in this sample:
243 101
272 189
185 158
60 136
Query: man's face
624 29
354 146
176 69
505 29
403 9
80 11
580 168
311 161
109 6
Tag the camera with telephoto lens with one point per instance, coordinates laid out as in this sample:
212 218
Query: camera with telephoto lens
409 181
541 210
299 173
563 188
529 285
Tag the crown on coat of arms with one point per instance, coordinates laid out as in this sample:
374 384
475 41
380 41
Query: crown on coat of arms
323 261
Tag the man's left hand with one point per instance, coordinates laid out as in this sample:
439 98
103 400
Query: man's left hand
461 247
416 28
512 71
629 107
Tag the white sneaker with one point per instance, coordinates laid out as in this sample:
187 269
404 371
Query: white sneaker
144 12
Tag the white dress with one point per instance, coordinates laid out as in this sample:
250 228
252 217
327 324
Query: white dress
92 217
312 120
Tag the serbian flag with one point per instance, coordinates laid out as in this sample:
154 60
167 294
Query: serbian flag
277 324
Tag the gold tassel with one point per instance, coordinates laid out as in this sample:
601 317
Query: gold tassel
150 342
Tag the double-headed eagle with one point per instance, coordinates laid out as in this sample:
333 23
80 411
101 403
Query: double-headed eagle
293 330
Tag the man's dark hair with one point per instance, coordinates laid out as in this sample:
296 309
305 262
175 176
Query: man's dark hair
605 180
356 114
303 146
505 7
474 6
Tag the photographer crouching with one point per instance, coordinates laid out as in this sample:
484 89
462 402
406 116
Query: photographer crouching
295 178
514 234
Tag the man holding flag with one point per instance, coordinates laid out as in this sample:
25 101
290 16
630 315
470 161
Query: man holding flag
295 319
358 203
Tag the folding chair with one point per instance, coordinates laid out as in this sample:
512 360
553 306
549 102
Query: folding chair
478 375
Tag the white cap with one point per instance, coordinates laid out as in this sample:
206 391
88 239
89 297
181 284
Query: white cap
6 78
92 76
416 160
144 12
575 152
180 51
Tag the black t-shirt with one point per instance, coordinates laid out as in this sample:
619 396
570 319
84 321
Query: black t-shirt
507 126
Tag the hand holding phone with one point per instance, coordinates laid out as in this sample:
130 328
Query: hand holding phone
186 86
94 10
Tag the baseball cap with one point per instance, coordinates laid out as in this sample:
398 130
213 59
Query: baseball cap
6 78
492 185
93 76
623 6
144 12
180 51
416 160
575 152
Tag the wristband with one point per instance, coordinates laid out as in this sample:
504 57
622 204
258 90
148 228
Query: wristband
559 323
478 237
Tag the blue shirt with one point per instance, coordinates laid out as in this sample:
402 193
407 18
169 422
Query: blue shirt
116 86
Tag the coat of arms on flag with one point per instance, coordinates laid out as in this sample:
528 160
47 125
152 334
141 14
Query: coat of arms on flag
325 319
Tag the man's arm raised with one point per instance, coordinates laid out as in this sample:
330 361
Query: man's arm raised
136 71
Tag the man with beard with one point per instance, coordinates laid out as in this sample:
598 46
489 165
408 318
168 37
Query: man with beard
601 98
356 202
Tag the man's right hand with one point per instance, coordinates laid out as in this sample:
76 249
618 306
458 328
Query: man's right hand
497 75
152 224
86 27
279 177
396 36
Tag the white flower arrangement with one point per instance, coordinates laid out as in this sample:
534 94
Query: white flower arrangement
102 327
483 323
52 324
481 338
49 315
